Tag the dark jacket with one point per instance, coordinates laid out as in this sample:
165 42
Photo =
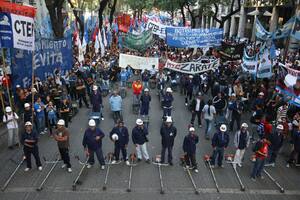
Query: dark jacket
96 101
32 136
219 103
139 135
167 100
194 103
219 141
276 140
189 86
168 135
122 134
145 100
296 141
189 144
89 139
27 116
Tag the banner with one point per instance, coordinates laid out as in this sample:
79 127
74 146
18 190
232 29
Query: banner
232 51
157 28
16 31
265 66
138 42
260 31
202 65
186 37
296 29
249 64
137 62
50 55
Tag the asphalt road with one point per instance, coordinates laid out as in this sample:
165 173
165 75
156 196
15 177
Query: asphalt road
145 178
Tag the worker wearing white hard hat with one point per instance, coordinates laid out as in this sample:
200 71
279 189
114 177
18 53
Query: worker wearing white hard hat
92 143
10 118
120 137
219 143
241 142
189 149
168 133
145 103
139 139
167 101
62 136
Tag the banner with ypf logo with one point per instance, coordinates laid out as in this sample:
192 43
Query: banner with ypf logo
17 26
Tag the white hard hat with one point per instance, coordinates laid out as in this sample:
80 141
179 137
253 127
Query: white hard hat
244 125
8 109
191 129
139 122
28 123
95 87
169 90
191 76
233 95
18 86
223 128
61 122
280 127
169 120
33 90
92 122
115 137
261 94
26 105
146 90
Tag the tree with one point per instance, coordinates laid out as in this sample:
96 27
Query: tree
56 16
170 6
139 6
103 4
78 20
112 11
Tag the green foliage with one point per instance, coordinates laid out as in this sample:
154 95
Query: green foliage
139 4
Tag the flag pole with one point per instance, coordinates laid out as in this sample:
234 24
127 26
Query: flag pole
32 85
4 73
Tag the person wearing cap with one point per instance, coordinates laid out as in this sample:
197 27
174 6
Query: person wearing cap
241 142
96 100
139 139
39 109
189 89
219 143
168 133
115 102
276 141
62 136
29 139
27 113
196 107
121 143
167 102
189 149
261 149
92 143
10 118
145 102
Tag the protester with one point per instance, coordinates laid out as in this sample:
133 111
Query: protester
145 102
139 139
197 106
39 108
241 143
189 149
167 102
208 113
10 118
276 142
168 133
115 102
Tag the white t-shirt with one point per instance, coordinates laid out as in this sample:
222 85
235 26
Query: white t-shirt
197 104
12 124
212 112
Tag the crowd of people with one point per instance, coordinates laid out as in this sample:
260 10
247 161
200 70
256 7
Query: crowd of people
226 98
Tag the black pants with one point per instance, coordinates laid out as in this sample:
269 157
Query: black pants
35 152
238 122
73 93
189 96
117 116
82 97
65 117
163 152
119 148
99 155
293 158
190 160
64 154
198 114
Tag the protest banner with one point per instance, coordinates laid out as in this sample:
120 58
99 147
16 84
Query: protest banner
200 66
192 38
264 69
157 28
138 42
249 63
137 62
231 51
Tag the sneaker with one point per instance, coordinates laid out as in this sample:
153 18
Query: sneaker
288 165
102 167
200 126
139 160
186 104
148 161
127 162
196 170
40 168
27 169
171 163
212 166
297 165
102 118
42 133
113 162
239 164
69 170
261 177
270 165
253 179
89 166
63 166
221 166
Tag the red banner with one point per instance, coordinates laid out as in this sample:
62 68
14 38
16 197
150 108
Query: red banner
17 9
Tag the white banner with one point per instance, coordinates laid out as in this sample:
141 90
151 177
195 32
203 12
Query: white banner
203 65
23 32
265 66
137 62
249 66
157 28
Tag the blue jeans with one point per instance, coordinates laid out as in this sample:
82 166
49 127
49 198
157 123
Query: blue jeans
208 127
146 84
123 83
257 168
40 124
219 151
99 155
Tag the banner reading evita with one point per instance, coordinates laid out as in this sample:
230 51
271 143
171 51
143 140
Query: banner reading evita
16 26
203 65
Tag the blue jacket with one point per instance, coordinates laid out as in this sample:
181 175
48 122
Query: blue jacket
167 100
139 136
189 144
123 76
39 113
89 139
220 140
145 100
32 136
115 103
122 134
168 135
96 101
